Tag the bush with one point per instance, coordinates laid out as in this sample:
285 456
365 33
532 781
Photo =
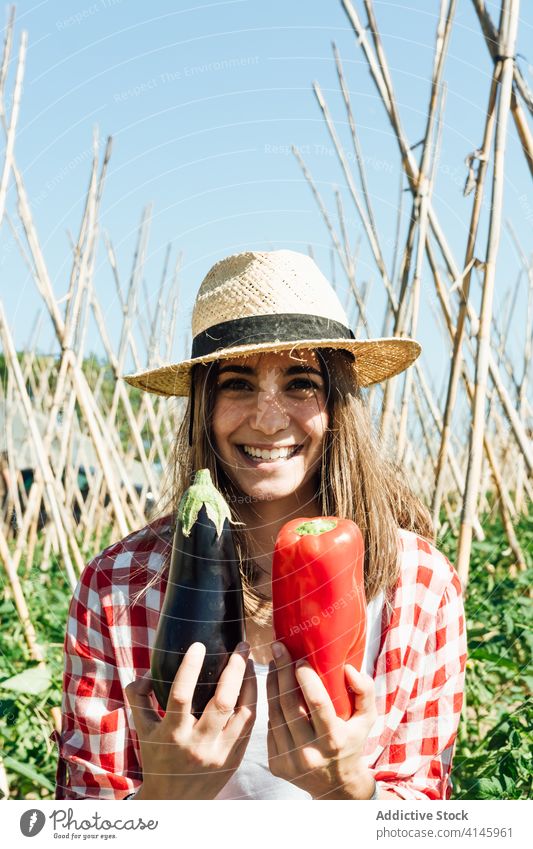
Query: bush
493 753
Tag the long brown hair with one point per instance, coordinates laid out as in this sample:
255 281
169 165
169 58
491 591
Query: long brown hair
356 480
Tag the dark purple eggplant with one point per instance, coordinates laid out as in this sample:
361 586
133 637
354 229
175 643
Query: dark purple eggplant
203 599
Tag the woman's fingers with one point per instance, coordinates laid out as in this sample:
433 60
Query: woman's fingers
318 701
144 715
363 687
291 699
181 693
272 750
221 706
236 746
246 707
284 742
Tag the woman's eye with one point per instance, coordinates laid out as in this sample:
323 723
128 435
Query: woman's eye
303 383
235 383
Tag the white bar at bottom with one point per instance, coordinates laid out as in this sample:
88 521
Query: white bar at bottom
266 825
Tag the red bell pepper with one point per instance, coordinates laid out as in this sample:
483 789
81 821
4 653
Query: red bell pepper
318 599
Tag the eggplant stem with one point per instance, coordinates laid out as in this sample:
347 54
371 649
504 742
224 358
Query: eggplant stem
202 493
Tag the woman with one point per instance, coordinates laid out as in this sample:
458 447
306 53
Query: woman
275 412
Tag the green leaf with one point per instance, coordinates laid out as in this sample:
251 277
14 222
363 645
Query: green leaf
489 788
498 741
34 680
28 772
491 657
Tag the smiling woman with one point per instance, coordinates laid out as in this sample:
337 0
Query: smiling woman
269 428
276 414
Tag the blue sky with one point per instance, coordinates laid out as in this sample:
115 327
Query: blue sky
203 101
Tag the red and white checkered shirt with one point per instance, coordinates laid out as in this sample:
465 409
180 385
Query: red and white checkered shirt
418 675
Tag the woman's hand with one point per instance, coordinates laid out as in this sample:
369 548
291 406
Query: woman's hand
308 744
188 758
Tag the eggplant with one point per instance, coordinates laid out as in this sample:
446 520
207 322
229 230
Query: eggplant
203 599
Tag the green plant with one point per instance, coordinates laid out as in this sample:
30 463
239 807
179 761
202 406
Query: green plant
26 695
493 754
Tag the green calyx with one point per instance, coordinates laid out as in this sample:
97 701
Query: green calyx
315 527
202 492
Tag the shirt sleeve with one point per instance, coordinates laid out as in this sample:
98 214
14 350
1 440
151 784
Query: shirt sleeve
416 761
97 746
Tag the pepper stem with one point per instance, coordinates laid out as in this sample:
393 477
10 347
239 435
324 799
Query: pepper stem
202 492
315 527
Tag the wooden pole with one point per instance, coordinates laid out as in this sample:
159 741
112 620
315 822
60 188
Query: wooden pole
30 635
335 239
355 140
456 364
508 31
492 42
12 128
426 175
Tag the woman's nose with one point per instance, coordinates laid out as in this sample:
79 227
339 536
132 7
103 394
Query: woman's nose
270 414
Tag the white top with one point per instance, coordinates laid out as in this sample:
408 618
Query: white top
253 779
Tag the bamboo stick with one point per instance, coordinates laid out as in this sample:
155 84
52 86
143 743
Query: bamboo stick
12 469
510 10
339 150
20 602
521 481
395 249
147 398
502 492
333 234
355 140
154 330
28 629
456 364
492 41
454 464
424 191
6 55
31 542
122 396
12 128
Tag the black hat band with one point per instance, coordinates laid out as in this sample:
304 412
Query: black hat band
261 329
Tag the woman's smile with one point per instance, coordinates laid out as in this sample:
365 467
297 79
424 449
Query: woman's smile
269 456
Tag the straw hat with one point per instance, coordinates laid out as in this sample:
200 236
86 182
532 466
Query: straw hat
272 301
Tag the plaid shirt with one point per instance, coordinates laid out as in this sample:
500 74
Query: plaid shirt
418 675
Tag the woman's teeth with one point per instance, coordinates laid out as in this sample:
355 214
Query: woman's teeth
274 454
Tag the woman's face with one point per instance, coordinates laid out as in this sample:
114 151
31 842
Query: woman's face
269 423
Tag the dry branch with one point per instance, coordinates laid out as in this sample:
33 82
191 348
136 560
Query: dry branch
509 26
